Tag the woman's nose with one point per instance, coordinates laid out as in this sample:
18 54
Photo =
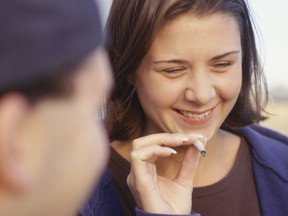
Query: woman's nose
200 89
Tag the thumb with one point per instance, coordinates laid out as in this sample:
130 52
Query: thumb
185 176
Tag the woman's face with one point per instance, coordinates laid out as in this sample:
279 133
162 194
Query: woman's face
191 76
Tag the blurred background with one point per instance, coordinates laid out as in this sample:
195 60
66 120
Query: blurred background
273 47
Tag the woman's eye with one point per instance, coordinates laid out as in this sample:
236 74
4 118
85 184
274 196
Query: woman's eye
223 65
173 70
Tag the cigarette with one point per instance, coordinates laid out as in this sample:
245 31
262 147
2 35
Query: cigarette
200 146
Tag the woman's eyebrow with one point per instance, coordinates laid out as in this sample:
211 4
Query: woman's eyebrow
183 61
225 54
175 61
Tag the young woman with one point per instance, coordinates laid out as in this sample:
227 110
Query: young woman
188 69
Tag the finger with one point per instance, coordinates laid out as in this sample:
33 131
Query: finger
199 137
142 161
165 139
189 164
150 153
142 183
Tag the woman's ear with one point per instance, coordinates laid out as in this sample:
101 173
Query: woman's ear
13 110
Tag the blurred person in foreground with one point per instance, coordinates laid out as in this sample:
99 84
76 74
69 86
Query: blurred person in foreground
185 69
53 78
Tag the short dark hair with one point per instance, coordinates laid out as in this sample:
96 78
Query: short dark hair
132 25
43 41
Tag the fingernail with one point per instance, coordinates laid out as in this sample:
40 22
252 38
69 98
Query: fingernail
172 151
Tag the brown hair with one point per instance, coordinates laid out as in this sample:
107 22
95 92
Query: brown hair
132 25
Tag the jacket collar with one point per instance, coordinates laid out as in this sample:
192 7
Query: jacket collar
268 147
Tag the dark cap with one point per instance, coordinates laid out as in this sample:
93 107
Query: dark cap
39 37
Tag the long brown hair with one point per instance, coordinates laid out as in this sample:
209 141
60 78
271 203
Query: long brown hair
132 25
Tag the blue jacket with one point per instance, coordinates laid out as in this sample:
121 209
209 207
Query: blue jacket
269 153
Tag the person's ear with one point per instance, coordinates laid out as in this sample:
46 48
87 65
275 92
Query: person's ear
13 110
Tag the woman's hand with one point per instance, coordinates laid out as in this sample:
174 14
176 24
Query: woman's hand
157 194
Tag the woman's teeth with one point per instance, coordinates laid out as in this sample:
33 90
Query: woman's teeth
194 115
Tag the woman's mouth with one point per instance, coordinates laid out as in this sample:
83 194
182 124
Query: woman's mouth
192 115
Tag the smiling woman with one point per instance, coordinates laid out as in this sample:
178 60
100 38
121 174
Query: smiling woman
183 70
191 62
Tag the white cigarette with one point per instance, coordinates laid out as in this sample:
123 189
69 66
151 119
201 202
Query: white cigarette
200 146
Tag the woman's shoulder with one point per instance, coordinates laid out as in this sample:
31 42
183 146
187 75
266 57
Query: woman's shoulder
265 143
256 133
269 148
